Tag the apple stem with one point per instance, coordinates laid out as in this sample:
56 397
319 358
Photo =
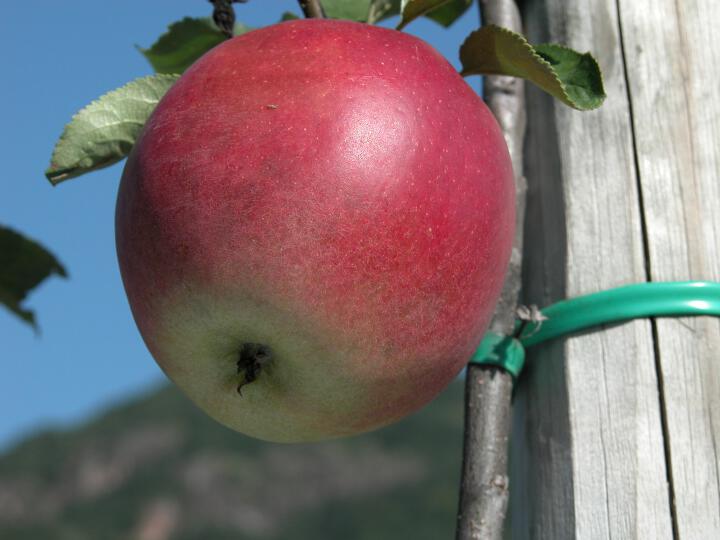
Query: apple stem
312 9
484 487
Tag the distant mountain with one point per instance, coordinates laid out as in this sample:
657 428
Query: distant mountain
159 469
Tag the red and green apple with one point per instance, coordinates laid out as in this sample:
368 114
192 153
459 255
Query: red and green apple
313 228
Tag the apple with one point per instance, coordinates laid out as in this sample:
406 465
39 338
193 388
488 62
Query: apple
314 227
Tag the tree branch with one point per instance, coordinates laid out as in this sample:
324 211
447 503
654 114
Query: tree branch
312 9
484 488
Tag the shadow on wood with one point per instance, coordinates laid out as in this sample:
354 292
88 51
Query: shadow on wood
616 432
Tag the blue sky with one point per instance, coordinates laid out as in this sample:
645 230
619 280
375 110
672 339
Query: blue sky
59 57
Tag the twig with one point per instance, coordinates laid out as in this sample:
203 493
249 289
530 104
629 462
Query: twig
224 15
484 489
484 485
312 9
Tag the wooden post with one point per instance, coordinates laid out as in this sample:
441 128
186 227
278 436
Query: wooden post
617 432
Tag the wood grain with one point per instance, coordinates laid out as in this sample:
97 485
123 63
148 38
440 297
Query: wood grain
673 56
587 450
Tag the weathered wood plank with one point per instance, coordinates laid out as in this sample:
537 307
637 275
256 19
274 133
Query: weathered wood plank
673 57
587 450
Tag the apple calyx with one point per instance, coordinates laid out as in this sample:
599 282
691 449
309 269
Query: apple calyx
252 358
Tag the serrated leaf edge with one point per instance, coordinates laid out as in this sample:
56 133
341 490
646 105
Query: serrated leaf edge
586 54
55 175
548 67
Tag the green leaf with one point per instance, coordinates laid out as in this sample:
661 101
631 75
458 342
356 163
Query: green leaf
354 10
288 16
448 13
24 264
445 14
382 9
579 73
412 9
184 42
104 132
572 77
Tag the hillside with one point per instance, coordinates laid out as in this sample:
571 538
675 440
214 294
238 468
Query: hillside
158 469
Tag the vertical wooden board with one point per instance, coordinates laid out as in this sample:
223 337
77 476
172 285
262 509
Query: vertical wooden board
587 460
673 58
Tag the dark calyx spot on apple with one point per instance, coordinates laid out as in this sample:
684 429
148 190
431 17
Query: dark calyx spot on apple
252 358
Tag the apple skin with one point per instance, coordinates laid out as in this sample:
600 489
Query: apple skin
334 191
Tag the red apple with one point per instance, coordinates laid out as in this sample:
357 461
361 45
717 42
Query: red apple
314 227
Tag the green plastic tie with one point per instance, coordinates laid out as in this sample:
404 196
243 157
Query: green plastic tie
659 299
502 351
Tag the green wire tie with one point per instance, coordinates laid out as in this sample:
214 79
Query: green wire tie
658 299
